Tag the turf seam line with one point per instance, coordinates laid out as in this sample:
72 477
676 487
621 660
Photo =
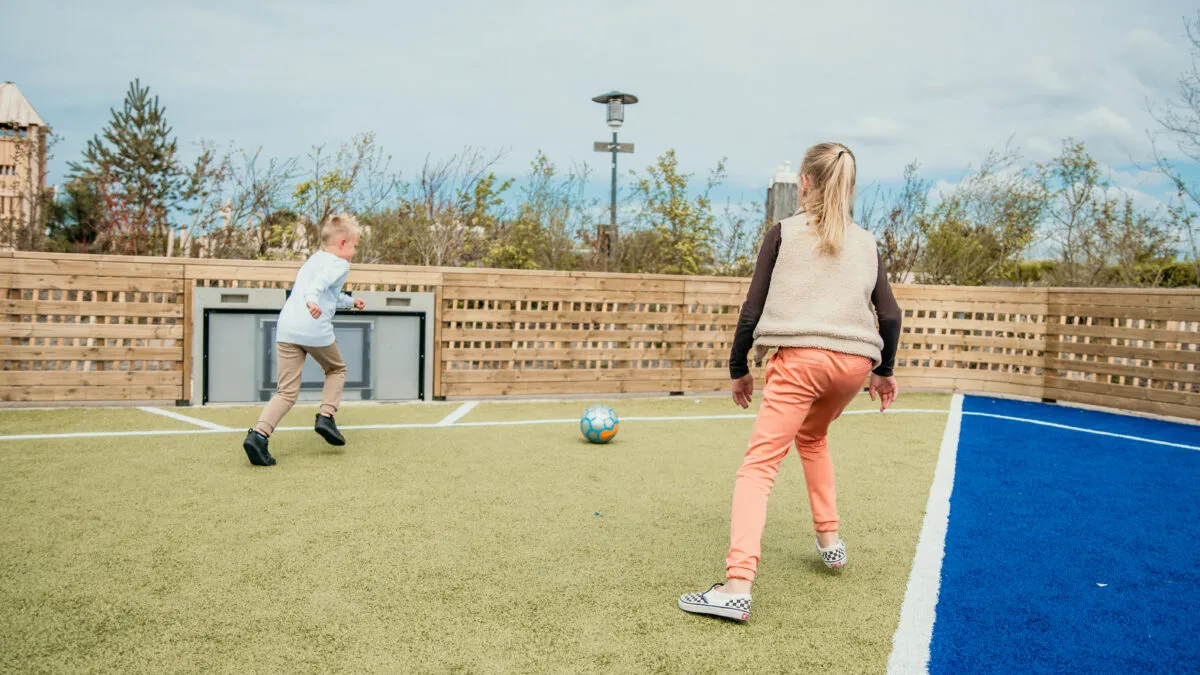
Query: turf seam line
458 413
183 418
910 643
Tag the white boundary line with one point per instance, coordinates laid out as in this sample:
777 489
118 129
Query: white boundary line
119 434
910 644
183 418
458 413
217 429
1084 430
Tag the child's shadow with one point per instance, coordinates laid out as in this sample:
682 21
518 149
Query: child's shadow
318 446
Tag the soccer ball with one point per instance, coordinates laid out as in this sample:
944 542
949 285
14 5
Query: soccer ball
599 424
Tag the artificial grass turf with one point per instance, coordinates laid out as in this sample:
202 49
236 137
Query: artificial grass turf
473 549
244 417
75 420
674 406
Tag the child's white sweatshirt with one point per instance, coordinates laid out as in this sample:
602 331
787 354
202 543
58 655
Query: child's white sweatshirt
320 281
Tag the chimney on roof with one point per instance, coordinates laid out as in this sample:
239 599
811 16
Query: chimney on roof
783 196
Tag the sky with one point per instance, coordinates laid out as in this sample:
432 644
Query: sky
756 82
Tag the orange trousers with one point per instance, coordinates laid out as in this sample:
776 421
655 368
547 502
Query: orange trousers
805 390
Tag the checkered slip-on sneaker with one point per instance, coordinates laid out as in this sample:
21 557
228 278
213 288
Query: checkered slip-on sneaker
716 603
834 556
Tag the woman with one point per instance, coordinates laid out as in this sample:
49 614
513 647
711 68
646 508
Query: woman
818 288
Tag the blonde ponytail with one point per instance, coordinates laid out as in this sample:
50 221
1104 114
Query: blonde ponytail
829 202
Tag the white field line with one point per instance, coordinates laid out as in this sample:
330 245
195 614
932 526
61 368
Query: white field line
434 425
564 420
183 418
1084 430
116 434
439 425
458 414
910 644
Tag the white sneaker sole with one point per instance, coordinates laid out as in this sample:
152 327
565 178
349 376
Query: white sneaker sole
713 610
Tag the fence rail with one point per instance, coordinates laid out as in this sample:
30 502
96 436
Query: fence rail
112 328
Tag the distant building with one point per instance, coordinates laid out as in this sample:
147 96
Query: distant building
783 197
22 163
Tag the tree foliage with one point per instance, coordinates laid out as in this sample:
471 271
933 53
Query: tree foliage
983 225
541 235
683 224
1077 205
131 192
27 207
896 219
1179 122
135 166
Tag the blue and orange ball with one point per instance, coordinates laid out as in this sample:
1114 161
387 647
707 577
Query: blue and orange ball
599 424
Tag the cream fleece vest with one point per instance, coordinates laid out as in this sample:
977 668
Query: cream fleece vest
822 301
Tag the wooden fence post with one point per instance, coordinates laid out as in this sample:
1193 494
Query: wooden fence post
185 396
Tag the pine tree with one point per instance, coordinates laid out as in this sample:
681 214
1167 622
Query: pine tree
135 164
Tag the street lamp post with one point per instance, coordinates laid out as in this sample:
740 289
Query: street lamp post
615 103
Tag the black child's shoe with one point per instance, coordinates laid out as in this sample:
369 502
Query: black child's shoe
256 449
328 430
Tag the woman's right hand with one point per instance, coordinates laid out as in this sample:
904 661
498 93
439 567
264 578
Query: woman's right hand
314 309
886 388
743 388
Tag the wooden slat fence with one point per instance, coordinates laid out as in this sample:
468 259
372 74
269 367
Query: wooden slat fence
1138 350
108 328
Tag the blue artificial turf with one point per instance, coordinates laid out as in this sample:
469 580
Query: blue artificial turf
1070 552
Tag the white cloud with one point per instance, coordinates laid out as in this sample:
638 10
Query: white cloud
1136 183
1040 146
1136 178
872 130
1145 51
756 82
1144 202
1043 77
940 190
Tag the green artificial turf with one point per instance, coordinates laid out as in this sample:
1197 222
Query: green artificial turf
468 549
81 420
674 406
244 417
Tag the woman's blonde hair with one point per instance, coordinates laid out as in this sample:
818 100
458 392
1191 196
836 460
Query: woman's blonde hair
829 202
338 226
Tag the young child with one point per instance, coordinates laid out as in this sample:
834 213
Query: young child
305 328
818 288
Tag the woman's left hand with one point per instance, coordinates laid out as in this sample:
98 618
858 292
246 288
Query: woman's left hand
743 388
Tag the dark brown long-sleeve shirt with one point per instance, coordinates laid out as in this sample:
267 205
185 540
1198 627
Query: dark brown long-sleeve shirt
886 309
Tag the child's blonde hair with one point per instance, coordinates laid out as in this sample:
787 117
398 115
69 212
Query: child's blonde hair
337 226
830 201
